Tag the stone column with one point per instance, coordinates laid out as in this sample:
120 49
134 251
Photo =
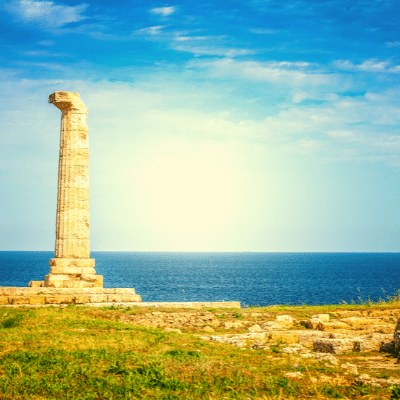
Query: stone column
72 266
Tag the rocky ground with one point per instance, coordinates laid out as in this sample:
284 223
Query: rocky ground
359 343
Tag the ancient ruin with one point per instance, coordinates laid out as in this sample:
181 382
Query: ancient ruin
72 266
72 277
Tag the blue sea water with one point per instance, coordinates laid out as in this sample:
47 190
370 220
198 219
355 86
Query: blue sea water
251 278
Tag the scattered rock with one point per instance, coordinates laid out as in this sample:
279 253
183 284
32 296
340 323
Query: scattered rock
172 330
234 325
365 379
334 346
294 375
352 368
281 322
396 336
322 356
255 315
293 349
255 328
322 317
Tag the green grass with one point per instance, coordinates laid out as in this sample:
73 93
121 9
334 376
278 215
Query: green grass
86 353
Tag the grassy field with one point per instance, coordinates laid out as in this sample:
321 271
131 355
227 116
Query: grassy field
89 353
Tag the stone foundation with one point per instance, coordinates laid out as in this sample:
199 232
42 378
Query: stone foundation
48 295
36 296
71 273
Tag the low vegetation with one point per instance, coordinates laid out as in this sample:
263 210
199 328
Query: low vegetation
101 353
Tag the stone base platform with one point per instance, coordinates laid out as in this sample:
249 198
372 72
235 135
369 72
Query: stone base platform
93 297
37 296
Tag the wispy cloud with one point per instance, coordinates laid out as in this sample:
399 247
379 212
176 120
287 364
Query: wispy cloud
265 31
47 42
372 65
44 53
46 14
288 73
151 30
189 38
213 50
393 44
164 11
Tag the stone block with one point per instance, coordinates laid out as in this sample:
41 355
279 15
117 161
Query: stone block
81 299
129 297
124 291
18 291
335 346
115 298
72 262
72 284
37 300
17 300
59 299
3 300
75 122
36 284
98 298
284 337
9 291
88 278
99 281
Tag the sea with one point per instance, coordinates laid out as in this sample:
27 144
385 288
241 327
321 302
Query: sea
254 279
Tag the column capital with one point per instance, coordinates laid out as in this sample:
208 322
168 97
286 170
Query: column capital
67 101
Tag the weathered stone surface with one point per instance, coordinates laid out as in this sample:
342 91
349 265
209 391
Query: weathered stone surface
81 299
3 300
18 300
98 298
72 266
322 317
255 328
352 368
322 356
124 291
36 284
37 300
59 299
396 336
281 322
334 346
294 375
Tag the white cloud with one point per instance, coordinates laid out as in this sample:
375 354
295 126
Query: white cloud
392 44
151 30
188 38
265 31
372 65
164 11
213 50
47 43
288 73
46 14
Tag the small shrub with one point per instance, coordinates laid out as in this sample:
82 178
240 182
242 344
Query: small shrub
237 315
116 369
395 392
11 322
331 392
275 348
182 354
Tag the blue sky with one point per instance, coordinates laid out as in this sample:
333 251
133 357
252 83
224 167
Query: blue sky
214 126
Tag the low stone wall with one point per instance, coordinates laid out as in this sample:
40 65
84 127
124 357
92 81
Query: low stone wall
47 295
96 297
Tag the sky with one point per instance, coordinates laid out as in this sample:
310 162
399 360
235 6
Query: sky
259 125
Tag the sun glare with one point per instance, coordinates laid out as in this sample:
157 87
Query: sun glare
188 193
